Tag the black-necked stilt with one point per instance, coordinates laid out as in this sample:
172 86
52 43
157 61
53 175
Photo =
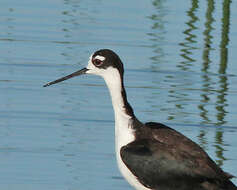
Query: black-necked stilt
152 155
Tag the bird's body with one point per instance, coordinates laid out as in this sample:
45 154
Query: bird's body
152 155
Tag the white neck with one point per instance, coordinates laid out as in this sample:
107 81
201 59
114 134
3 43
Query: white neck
123 130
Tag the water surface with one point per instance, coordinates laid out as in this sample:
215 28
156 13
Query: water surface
180 70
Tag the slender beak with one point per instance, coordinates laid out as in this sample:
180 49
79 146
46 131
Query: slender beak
77 73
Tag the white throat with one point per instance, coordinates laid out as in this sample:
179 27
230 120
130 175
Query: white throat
123 131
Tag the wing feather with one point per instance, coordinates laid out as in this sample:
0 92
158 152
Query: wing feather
158 161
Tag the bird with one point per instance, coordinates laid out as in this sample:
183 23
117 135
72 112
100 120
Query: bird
151 156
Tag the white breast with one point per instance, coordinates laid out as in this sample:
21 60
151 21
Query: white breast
123 136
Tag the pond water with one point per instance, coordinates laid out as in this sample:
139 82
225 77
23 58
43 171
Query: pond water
180 62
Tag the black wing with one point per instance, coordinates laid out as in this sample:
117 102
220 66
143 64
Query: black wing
158 166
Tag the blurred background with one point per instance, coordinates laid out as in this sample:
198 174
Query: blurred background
180 69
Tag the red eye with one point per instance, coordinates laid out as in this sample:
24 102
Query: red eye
97 62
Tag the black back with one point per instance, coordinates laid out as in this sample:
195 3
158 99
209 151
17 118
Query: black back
164 159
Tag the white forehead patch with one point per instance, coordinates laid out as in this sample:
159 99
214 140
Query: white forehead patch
101 58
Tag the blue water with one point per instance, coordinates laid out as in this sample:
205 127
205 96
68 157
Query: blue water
180 62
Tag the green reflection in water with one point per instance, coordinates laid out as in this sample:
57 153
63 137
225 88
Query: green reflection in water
189 42
219 145
180 98
158 31
206 82
189 45
223 81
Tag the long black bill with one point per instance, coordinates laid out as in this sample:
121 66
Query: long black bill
77 73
